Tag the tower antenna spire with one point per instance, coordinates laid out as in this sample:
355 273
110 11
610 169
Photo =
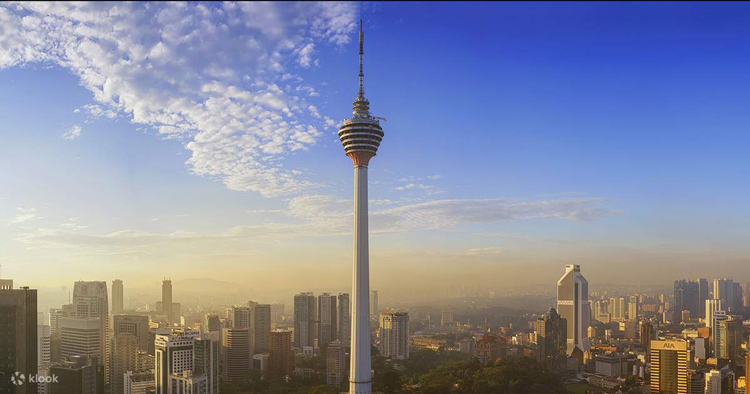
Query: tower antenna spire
361 94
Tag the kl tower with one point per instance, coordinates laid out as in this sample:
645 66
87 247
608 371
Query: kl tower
360 136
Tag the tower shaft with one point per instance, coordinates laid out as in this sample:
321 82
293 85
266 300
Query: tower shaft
360 378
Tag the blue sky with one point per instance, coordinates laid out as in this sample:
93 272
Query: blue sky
520 137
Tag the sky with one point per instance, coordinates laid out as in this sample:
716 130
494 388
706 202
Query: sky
151 140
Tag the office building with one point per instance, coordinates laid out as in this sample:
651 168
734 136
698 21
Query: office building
241 317
238 352
174 355
703 291
78 374
90 301
551 338
18 336
206 360
344 319
719 316
713 382
670 365
304 320
138 382
446 317
261 326
80 337
712 306
573 306
118 300
686 296
335 363
281 357
394 335
55 314
124 353
277 314
166 300
188 383
136 325
728 339
633 308
327 325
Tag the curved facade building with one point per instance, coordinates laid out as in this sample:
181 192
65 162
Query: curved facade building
573 306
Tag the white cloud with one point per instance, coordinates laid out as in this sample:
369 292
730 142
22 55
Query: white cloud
489 251
314 216
73 133
24 215
208 74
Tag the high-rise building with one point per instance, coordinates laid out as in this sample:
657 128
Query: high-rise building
670 366
281 358
394 335
361 136
90 301
711 307
335 363
187 383
55 314
724 290
277 314
124 355
633 308
206 356
374 307
645 335
118 300
78 374
174 354
327 325
702 296
238 352
573 306
719 316
43 345
713 382
344 319
241 317
166 300
139 382
80 337
18 337
261 326
136 325
728 339
304 320
551 338
686 298
212 323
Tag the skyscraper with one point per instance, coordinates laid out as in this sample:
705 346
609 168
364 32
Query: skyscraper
238 352
670 365
206 354
18 337
241 317
702 296
79 374
327 325
174 354
281 358
136 325
361 136
261 326
80 337
394 335
374 307
344 319
335 359
573 306
166 299
729 339
117 297
124 354
304 320
90 301
711 307
551 338
633 308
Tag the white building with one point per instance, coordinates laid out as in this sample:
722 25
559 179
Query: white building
174 355
394 335
574 306
138 383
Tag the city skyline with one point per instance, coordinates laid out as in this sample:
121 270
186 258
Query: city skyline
117 173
